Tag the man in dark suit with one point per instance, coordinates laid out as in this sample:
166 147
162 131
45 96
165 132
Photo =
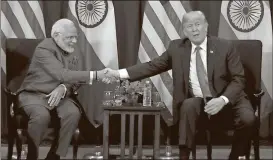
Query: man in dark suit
51 79
203 68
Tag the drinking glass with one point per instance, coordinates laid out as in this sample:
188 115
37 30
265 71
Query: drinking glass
157 102
107 98
118 98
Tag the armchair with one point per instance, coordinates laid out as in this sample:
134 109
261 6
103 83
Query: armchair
251 58
19 53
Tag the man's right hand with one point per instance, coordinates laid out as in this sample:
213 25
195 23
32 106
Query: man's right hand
108 75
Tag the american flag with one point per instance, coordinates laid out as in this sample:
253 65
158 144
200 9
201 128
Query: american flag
161 24
20 19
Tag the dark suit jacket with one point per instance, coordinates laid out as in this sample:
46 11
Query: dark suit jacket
225 71
50 66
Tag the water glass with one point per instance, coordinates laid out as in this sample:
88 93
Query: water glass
156 98
107 98
118 98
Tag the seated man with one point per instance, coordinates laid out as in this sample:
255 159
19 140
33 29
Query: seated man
202 66
47 88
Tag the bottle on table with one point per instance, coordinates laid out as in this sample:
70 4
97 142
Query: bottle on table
147 94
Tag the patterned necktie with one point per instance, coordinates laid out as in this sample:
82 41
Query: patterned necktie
202 74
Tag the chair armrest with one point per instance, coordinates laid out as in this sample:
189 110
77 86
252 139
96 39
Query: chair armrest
7 91
75 93
260 94
12 96
11 110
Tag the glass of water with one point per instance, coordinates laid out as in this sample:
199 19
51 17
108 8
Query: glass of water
118 98
107 98
156 98
157 102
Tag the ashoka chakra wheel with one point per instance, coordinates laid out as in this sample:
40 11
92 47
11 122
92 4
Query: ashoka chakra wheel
91 13
246 15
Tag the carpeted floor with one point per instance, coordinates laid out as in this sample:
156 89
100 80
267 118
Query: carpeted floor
219 152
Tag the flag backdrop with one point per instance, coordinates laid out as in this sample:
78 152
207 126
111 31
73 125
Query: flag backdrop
251 20
161 24
98 46
19 19
136 41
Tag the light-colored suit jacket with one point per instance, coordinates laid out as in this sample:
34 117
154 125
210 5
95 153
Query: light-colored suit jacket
50 66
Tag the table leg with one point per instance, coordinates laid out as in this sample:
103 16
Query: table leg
140 127
157 136
122 136
131 137
106 135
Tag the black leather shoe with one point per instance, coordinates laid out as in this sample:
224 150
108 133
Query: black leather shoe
238 158
184 152
52 156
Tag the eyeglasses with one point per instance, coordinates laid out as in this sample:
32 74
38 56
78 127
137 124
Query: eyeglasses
69 37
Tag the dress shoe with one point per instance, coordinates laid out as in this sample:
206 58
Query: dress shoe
241 157
52 156
237 158
184 152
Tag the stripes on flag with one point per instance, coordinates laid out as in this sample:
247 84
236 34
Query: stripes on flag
161 24
262 32
20 19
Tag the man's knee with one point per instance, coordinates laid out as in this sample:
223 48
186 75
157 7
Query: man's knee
72 113
39 115
189 105
247 118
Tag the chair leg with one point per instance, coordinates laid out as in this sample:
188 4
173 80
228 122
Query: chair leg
248 150
209 145
75 145
256 144
19 139
11 138
193 153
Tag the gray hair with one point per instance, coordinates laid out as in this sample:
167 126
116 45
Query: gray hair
186 16
60 25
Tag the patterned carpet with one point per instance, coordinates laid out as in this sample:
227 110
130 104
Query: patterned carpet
219 152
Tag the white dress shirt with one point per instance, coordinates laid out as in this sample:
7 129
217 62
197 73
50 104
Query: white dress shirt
90 82
193 79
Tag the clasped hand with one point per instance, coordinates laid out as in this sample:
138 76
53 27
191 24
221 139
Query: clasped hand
108 75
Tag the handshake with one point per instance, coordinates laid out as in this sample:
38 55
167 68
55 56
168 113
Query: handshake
108 75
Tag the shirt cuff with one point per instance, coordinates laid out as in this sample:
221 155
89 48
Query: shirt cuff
91 77
123 74
65 89
225 99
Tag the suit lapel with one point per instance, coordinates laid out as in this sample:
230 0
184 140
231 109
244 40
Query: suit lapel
211 58
185 58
